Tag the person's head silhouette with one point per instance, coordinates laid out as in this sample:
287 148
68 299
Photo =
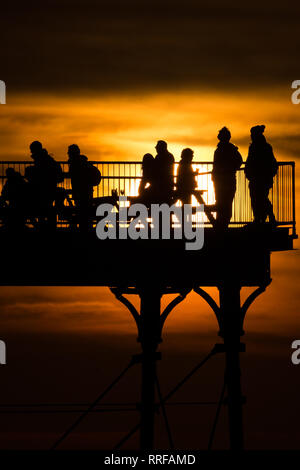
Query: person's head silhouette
10 172
257 132
224 135
161 146
187 155
148 165
73 151
147 159
36 148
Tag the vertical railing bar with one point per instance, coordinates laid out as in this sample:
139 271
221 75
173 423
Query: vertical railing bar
294 198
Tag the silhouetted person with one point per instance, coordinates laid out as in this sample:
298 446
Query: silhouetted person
163 184
186 177
227 160
83 177
43 178
261 167
148 175
15 193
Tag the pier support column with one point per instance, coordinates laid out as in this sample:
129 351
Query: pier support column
149 338
150 322
230 310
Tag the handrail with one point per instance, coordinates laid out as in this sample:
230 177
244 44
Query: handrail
124 176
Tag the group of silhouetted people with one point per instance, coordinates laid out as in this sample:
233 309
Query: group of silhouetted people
260 169
158 185
38 194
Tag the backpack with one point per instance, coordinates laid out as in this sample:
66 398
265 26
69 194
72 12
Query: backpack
94 175
55 170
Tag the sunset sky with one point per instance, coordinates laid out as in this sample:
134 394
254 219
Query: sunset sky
114 77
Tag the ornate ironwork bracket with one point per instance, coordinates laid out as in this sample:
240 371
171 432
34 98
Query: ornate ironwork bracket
212 303
217 310
120 297
182 295
135 314
250 299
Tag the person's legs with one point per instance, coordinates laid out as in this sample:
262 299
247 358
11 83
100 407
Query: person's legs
264 203
224 192
269 207
228 201
256 201
218 198
84 214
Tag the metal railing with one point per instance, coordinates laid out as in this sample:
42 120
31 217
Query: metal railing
125 178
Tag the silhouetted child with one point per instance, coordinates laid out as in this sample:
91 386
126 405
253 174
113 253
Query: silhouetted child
145 190
186 177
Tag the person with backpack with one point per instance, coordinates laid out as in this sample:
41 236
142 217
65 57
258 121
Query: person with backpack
84 176
260 169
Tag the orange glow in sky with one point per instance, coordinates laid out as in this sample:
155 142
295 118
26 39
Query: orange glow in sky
125 127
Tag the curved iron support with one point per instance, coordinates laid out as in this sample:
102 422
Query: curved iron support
150 323
211 302
172 305
249 301
120 297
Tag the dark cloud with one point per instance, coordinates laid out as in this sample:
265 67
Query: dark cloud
74 45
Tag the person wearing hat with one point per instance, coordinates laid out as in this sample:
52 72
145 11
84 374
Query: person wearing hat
227 160
260 169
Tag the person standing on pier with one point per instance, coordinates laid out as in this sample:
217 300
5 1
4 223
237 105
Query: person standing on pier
84 176
145 190
163 184
43 177
227 160
186 177
260 169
